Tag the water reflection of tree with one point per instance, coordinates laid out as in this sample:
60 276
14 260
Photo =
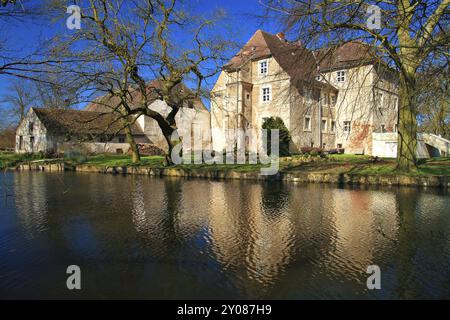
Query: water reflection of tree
407 199
155 211
274 198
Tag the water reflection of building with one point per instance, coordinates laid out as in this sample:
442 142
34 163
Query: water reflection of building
252 236
31 201
321 230
364 223
256 231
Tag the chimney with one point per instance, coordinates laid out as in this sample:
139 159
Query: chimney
281 36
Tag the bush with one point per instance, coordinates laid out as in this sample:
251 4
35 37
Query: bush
148 149
285 137
312 151
74 155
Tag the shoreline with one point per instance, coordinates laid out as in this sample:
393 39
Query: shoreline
436 181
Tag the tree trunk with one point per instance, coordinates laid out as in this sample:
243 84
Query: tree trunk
407 126
171 144
135 156
167 130
169 162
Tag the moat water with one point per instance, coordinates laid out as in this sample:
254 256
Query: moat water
137 237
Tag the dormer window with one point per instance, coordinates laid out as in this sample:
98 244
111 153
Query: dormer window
340 76
264 67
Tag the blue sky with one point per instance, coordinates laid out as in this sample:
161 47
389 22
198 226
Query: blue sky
241 16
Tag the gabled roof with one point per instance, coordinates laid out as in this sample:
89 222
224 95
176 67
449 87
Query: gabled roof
108 103
295 59
347 55
69 121
256 48
300 63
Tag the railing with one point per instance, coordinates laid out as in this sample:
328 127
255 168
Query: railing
440 143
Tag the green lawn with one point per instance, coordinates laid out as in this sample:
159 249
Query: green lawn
350 164
336 164
10 159
105 160
364 165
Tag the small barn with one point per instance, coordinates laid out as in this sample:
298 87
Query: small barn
53 131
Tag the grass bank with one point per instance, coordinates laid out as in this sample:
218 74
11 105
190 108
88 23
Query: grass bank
10 159
332 164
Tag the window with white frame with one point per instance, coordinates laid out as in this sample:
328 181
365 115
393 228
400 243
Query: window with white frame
347 126
264 67
307 123
266 94
340 76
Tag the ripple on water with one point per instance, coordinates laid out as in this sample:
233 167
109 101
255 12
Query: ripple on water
176 238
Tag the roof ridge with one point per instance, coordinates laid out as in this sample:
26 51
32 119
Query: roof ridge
67 110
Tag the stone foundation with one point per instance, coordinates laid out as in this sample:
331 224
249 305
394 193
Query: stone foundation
338 179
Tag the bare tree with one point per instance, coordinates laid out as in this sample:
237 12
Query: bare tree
55 92
411 33
434 102
35 64
22 94
17 101
125 44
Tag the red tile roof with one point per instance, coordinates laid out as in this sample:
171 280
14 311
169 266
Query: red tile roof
294 58
347 55
107 103
69 121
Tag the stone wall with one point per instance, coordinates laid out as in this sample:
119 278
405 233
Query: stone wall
296 177
385 145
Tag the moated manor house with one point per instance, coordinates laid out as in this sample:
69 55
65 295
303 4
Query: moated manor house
331 98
